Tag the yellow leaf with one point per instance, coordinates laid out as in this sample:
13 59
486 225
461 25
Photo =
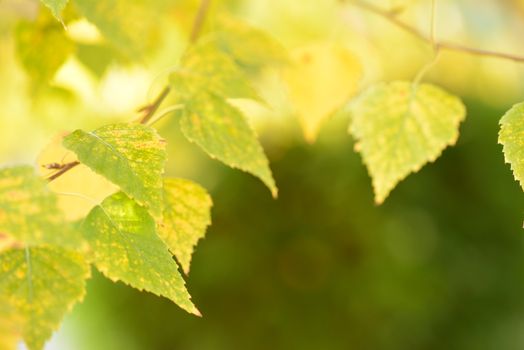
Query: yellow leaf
80 189
321 79
9 327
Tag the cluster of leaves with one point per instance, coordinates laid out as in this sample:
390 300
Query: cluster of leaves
133 219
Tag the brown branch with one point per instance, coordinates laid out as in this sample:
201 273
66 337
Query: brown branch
65 168
153 107
199 20
391 16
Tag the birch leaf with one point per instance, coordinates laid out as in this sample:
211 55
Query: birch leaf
29 213
399 128
320 80
131 156
223 132
186 217
75 201
42 284
511 136
204 67
126 248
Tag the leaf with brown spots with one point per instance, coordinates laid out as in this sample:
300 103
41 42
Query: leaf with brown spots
222 131
41 285
186 217
511 136
399 127
126 248
131 156
29 213
206 68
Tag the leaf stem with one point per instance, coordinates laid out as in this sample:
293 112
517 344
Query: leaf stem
165 112
391 16
153 107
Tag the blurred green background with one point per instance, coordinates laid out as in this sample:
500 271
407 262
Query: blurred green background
439 266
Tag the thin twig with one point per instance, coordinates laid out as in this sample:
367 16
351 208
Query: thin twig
438 45
153 107
199 20
65 168
436 50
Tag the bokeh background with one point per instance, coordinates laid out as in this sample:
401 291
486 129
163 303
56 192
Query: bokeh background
440 265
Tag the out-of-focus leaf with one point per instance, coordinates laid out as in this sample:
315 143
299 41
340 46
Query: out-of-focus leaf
131 156
56 7
130 26
223 132
42 47
127 248
186 217
79 189
320 80
42 284
400 127
511 136
251 47
204 67
96 57
29 212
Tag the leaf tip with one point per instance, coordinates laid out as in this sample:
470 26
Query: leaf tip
196 312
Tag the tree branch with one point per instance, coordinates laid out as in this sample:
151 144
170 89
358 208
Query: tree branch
391 16
199 20
65 168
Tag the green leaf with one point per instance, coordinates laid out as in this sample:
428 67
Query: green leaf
29 212
511 136
222 131
97 57
204 67
56 7
42 48
186 217
127 248
399 128
131 156
42 284
130 26
251 47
